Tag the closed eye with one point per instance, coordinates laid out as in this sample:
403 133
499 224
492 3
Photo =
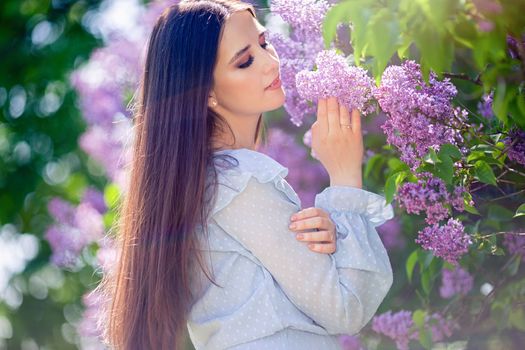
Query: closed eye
250 59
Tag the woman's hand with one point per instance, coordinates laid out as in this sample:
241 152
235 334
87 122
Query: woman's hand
324 239
338 148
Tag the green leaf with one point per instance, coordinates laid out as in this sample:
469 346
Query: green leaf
392 184
502 98
471 209
484 173
334 16
520 211
358 12
445 169
499 213
425 281
373 162
425 338
410 264
431 157
418 317
111 195
450 150
383 39
437 50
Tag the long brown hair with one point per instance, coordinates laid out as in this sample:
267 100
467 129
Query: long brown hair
167 201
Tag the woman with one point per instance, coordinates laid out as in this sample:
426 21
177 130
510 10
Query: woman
202 198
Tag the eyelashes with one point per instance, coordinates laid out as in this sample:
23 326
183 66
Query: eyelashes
250 59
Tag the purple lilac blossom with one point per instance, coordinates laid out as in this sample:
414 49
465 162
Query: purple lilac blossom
516 152
294 57
95 198
512 46
74 228
441 328
390 233
485 105
350 342
397 326
419 116
305 176
306 17
334 77
429 194
515 243
297 51
455 282
448 242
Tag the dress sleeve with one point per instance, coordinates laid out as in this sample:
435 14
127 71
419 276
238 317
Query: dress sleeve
341 291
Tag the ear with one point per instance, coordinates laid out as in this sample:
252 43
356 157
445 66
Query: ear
212 101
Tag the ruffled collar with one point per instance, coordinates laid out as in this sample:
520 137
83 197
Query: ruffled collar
262 166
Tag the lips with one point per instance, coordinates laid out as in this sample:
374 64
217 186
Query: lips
273 82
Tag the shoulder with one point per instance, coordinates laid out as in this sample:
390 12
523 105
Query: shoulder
235 169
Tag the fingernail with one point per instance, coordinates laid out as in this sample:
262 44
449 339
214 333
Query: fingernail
311 246
300 236
293 225
294 217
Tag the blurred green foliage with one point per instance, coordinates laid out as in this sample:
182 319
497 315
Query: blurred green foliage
41 42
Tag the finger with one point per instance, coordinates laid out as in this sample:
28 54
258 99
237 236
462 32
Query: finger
311 223
315 236
322 120
344 117
327 248
308 213
356 121
332 109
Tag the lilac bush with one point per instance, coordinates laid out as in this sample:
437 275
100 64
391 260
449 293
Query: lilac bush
417 118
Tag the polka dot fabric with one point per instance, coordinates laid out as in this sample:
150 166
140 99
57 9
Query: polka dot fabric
274 292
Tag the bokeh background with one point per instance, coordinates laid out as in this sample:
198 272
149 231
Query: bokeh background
69 70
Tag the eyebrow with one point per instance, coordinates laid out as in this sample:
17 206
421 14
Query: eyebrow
244 49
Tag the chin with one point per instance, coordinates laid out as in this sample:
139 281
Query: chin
277 100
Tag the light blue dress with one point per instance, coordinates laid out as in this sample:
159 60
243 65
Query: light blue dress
277 293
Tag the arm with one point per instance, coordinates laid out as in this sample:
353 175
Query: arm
340 292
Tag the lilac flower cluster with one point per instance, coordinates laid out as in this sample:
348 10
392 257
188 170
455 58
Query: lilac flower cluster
429 194
294 57
457 281
448 241
516 146
485 105
306 17
398 326
297 51
75 227
305 176
419 116
515 243
441 328
350 342
334 77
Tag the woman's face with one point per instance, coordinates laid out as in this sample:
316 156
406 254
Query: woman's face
246 66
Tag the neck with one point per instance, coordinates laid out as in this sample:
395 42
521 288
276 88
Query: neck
243 128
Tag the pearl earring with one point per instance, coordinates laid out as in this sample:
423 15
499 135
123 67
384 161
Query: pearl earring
214 103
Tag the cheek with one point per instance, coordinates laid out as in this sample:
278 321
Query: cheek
242 91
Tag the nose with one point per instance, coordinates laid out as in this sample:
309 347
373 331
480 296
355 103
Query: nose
271 62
